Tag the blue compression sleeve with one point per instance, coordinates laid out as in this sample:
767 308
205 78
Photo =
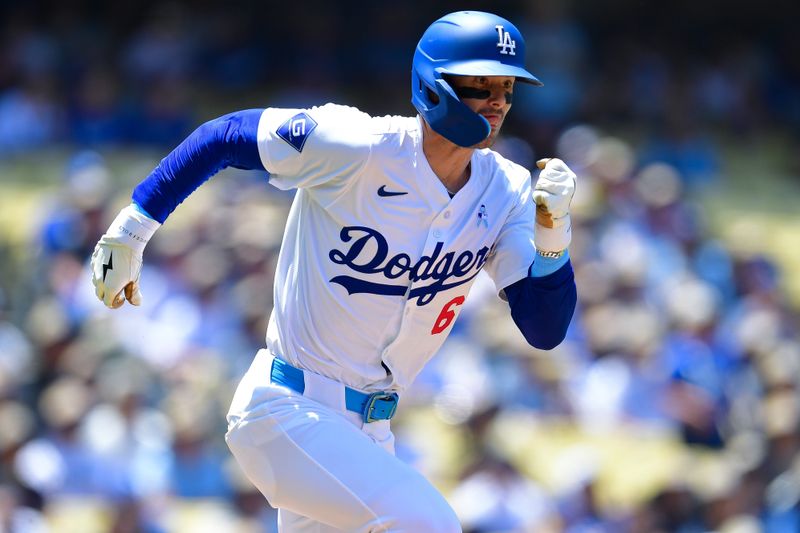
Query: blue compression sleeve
542 307
228 141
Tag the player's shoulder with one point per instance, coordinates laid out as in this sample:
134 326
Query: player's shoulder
344 115
395 136
329 128
361 127
333 131
504 172
341 120
353 118
394 125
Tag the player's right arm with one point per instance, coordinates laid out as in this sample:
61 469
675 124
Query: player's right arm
280 141
117 259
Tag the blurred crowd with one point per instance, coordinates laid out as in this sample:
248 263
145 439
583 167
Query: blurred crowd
672 406
144 72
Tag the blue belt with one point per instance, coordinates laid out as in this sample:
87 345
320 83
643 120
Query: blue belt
376 406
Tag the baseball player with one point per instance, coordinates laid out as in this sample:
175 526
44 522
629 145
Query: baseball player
393 219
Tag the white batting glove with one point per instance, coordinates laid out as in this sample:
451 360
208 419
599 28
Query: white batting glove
117 258
552 195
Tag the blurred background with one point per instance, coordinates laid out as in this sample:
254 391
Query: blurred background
672 406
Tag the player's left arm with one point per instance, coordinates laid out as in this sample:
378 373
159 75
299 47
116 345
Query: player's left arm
543 301
542 304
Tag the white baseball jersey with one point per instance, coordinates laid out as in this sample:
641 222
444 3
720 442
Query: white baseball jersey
377 259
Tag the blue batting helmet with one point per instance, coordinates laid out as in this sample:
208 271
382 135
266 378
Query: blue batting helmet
465 43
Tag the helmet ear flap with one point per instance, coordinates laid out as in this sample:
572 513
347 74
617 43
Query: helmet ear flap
446 114
455 121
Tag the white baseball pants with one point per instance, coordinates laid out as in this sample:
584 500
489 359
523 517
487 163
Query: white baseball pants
321 466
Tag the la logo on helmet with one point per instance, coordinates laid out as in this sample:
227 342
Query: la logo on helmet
505 42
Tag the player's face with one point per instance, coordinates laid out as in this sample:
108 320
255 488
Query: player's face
489 96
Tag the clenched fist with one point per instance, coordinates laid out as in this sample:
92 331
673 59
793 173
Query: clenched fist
115 273
117 258
552 195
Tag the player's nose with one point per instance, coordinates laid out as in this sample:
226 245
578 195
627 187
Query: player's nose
497 98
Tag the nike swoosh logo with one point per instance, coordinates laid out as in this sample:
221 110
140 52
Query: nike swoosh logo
383 192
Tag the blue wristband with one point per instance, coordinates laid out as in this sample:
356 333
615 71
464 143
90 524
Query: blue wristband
543 266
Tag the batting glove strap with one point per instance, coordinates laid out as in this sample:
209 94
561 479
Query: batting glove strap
131 228
553 239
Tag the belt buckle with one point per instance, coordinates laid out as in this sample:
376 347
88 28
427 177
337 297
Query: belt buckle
380 406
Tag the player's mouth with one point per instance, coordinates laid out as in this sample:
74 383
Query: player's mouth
494 119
